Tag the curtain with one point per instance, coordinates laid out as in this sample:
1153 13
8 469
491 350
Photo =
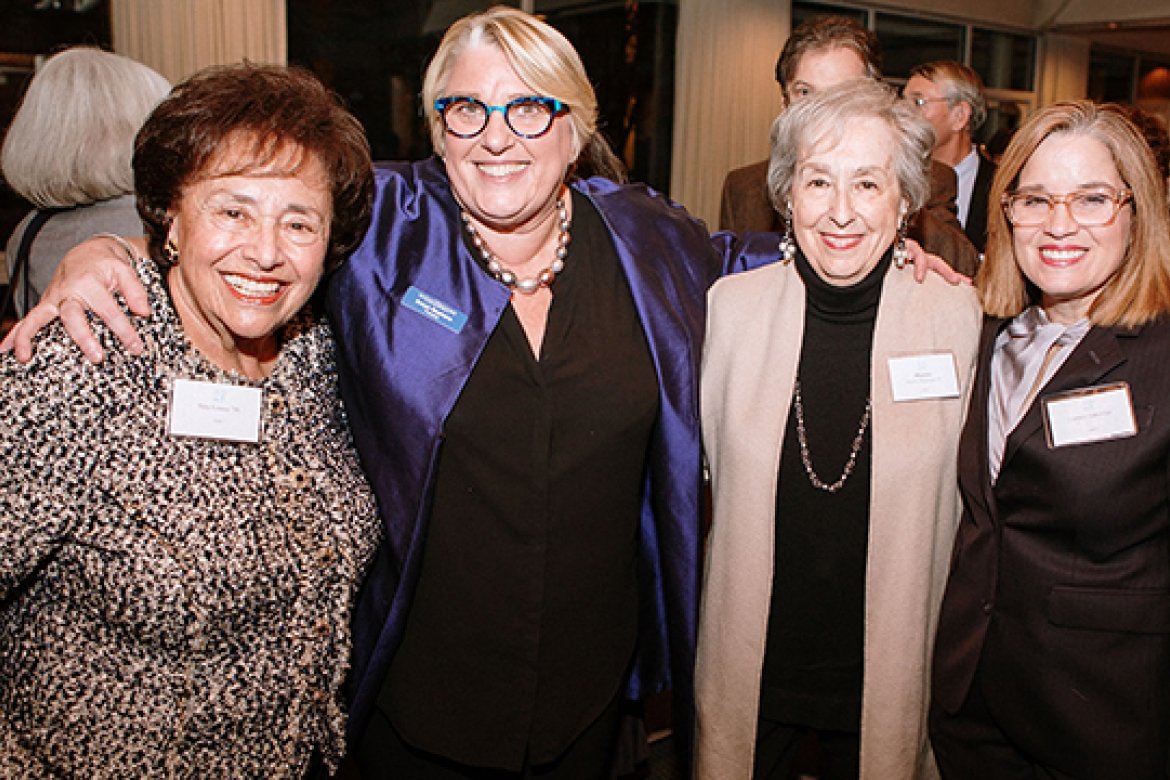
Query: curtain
178 37
726 94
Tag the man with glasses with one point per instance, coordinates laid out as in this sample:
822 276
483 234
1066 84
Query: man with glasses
822 52
950 96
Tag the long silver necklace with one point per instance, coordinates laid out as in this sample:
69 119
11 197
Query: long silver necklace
530 284
806 459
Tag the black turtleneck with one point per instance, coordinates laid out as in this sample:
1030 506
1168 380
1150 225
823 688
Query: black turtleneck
813 662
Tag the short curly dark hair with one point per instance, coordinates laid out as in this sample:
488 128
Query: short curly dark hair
272 108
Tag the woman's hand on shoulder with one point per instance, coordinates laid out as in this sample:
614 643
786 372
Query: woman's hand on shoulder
925 262
86 280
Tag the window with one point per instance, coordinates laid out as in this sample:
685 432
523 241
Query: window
802 11
1006 60
1111 75
628 52
1127 76
908 41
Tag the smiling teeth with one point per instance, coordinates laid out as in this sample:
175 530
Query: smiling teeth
250 287
1063 254
501 170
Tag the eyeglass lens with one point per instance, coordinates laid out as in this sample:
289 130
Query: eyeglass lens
1087 208
526 117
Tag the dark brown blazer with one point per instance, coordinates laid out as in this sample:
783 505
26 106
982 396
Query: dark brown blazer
745 206
1059 590
976 227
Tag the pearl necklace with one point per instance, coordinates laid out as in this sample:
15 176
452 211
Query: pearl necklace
806 459
531 284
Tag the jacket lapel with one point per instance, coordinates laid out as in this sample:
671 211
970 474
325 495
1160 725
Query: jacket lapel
1098 353
974 473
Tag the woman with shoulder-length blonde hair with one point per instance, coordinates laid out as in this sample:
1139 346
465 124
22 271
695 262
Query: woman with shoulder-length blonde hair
1053 649
1140 290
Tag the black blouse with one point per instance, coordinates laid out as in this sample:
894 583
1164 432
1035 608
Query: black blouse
525 617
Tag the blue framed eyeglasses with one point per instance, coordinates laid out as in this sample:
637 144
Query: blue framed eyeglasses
527 117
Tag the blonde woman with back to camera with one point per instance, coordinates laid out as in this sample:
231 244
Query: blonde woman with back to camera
68 152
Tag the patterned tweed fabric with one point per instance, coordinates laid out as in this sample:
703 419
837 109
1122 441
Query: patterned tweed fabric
174 607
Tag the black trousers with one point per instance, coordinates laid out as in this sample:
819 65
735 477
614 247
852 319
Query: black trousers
785 752
382 754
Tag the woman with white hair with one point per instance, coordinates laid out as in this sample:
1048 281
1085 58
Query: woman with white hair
833 390
68 153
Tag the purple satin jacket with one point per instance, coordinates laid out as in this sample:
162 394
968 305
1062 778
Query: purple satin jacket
412 311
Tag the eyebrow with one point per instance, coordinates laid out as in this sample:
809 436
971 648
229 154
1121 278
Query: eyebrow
1091 185
295 208
508 98
867 170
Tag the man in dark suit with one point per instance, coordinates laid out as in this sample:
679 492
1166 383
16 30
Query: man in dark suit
950 96
822 52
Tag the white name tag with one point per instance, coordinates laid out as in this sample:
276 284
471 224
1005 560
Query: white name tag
929 375
207 410
1088 415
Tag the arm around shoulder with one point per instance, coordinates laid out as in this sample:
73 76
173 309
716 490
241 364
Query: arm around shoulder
86 280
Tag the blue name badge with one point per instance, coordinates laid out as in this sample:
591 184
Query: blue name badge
434 310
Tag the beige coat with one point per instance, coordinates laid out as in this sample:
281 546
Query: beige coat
754 333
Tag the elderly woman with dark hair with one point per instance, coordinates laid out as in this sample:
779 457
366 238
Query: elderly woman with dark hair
833 389
1053 650
68 152
183 532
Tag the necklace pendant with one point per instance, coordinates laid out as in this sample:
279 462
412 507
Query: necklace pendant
525 286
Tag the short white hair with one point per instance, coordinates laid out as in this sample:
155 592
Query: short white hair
822 118
72 139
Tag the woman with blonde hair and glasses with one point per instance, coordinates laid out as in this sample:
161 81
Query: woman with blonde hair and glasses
519 354
1053 648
